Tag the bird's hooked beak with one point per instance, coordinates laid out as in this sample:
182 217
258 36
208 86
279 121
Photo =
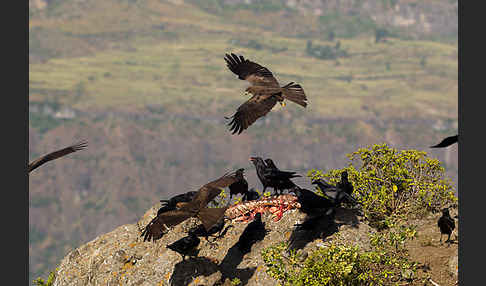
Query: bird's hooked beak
283 103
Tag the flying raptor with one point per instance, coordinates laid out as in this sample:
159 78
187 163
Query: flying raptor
265 92
56 154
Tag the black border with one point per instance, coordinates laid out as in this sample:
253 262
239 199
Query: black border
470 205
15 116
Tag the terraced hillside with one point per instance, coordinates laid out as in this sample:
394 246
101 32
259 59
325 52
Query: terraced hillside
146 84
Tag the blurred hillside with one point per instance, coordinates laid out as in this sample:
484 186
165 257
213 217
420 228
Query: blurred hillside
146 84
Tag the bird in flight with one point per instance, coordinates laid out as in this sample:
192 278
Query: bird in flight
447 142
56 154
197 207
265 92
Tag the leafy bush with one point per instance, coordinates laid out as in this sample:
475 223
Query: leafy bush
50 280
393 184
341 264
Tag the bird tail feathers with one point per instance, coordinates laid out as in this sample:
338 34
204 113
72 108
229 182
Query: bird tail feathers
295 93
210 216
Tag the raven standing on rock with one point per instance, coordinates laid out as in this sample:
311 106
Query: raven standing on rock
310 202
336 194
446 224
186 245
282 177
251 195
240 186
200 230
270 177
345 184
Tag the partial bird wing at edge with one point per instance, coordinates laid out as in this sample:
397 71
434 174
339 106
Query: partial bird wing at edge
56 154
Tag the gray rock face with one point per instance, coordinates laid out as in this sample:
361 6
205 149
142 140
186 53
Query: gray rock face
121 257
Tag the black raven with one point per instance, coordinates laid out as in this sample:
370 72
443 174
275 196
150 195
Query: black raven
282 178
251 195
270 177
310 202
336 194
240 186
200 230
446 224
447 142
345 184
186 245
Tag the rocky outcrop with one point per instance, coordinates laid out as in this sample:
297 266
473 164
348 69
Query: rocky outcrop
121 257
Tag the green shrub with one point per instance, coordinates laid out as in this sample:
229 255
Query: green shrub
393 184
341 264
50 280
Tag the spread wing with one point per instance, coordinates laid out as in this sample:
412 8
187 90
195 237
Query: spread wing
446 142
212 189
56 154
250 71
155 228
254 108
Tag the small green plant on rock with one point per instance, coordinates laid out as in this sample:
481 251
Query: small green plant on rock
50 280
342 264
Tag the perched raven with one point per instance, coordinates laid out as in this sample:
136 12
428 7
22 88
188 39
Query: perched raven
345 184
282 178
270 177
200 230
265 92
254 231
447 142
186 245
56 154
310 202
240 186
251 195
260 170
336 194
197 207
446 224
